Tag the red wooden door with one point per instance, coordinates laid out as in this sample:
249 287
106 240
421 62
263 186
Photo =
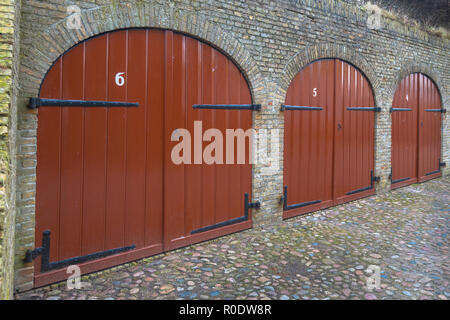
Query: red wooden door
430 119
309 138
416 131
404 132
354 135
329 137
105 177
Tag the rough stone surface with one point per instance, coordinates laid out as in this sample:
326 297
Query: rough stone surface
324 255
269 40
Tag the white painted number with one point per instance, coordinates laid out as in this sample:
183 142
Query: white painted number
315 92
120 80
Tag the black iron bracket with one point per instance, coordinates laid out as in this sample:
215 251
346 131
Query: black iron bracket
399 180
297 205
247 205
432 172
372 180
44 251
376 109
287 107
399 109
253 107
441 164
436 110
38 102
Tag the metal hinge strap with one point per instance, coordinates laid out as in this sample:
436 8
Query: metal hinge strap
400 109
44 251
254 107
372 180
247 205
38 102
294 108
376 109
297 205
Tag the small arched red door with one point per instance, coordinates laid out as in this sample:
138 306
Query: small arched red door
329 137
105 178
416 131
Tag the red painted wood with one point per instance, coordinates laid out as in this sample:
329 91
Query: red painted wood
308 136
429 130
328 153
416 134
95 147
355 142
49 166
404 131
105 178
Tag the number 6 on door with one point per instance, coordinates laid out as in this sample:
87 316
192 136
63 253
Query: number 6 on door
120 80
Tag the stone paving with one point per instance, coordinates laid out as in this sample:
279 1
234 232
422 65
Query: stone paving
324 255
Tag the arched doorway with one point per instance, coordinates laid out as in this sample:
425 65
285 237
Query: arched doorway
416 131
107 188
328 137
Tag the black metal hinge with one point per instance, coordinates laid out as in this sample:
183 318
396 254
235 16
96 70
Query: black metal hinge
442 164
436 110
399 109
247 205
44 251
372 180
38 102
297 205
287 107
376 109
254 107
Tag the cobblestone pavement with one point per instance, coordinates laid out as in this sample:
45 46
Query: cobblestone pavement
323 255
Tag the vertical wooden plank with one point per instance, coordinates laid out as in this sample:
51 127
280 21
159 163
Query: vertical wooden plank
339 134
155 138
193 172
116 147
136 138
48 160
208 172
72 136
234 187
95 142
221 170
175 109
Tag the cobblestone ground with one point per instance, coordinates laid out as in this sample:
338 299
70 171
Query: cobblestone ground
323 255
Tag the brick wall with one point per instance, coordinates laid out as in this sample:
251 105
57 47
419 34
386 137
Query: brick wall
9 44
270 40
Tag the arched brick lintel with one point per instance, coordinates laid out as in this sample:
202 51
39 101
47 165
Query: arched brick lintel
326 50
409 67
56 40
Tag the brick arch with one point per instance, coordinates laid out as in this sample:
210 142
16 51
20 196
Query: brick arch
56 40
409 67
326 50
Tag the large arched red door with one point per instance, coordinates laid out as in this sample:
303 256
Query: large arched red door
105 178
328 137
416 131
